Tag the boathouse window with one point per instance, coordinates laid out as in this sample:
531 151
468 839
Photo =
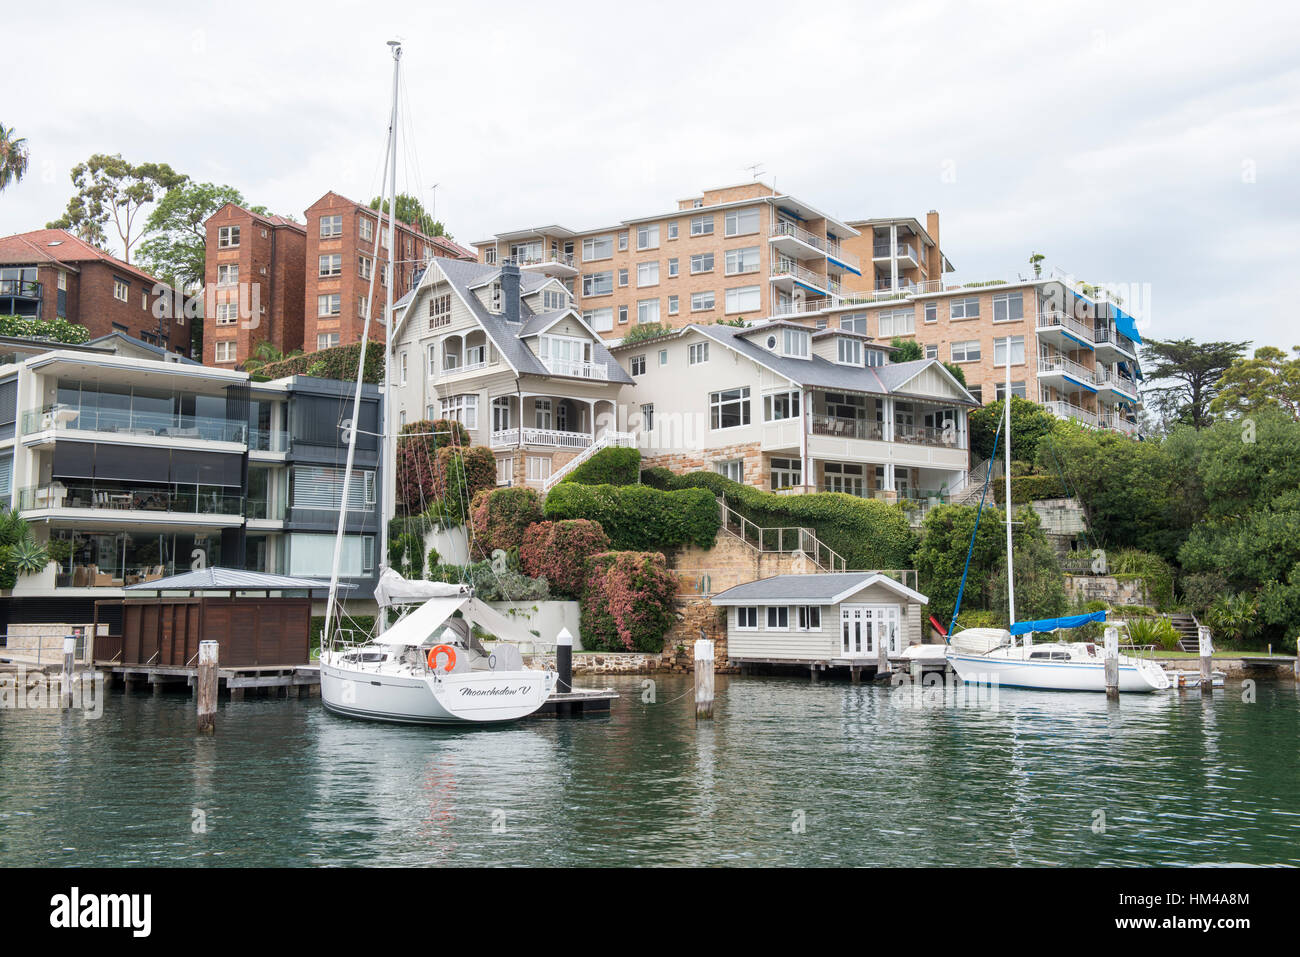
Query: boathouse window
809 618
778 618
747 618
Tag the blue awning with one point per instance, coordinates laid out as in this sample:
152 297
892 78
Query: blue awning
1126 324
1051 624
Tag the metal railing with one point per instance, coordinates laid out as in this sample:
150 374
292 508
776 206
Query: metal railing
784 540
785 266
900 251
20 288
90 419
1068 410
549 437
59 495
1054 319
1103 335
1049 364
577 368
604 441
561 259
926 435
823 243
845 428
1109 378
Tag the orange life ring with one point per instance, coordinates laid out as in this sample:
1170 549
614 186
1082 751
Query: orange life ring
440 649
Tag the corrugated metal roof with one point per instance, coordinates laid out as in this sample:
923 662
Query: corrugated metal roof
228 579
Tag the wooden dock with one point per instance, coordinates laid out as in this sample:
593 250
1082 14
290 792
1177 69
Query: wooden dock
273 681
578 703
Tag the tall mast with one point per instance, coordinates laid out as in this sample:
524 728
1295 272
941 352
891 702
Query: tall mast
387 443
1011 576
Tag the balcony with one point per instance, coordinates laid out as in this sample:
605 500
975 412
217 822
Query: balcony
1117 423
71 418
1123 386
846 428
1064 373
552 438
902 251
927 435
1113 346
1064 331
577 369
116 498
786 272
1068 410
785 235
555 263
264 440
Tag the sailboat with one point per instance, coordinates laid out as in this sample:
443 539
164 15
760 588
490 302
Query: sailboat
1009 657
430 666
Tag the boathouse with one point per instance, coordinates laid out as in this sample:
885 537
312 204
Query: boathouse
844 619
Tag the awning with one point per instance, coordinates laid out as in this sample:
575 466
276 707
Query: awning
1052 624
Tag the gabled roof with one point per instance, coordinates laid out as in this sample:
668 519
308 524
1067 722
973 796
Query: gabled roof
44 246
821 589
113 337
272 220
455 248
464 277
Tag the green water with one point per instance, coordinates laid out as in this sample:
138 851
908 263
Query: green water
786 774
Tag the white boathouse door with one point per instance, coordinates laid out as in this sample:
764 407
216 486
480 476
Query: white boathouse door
861 626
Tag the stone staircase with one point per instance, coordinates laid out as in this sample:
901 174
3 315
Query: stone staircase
609 440
793 541
1188 628
969 494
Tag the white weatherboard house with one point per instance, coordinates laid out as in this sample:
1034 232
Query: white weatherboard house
821 619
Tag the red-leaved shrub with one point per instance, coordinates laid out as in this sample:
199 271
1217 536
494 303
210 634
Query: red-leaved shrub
558 552
499 517
627 604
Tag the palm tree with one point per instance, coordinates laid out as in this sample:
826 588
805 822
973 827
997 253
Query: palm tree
13 157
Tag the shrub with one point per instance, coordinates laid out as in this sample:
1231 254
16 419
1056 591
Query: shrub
1154 571
1153 631
421 474
1029 488
1201 588
650 330
1233 617
20 553
406 546
1030 422
558 552
340 362
499 518
59 330
612 466
638 517
494 582
627 604
361 626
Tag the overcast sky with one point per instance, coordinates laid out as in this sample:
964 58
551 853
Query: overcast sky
1153 149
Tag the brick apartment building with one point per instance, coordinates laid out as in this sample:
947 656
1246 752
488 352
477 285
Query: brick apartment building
340 258
50 273
252 257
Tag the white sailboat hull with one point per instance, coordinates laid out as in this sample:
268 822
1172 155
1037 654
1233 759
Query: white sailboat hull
474 697
1134 676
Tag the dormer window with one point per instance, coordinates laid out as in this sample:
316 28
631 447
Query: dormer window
876 357
496 298
849 351
795 343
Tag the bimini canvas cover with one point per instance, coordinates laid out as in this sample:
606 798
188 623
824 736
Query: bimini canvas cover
980 641
424 622
393 589
1052 624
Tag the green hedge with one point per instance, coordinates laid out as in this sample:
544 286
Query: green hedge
27 327
868 533
639 517
612 466
339 362
1029 488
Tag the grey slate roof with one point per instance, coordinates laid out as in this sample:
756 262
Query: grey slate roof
817 589
820 373
467 276
227 579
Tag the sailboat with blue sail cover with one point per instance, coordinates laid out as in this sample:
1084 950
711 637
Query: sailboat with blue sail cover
1009 657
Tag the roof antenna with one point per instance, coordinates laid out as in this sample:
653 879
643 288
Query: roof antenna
755 170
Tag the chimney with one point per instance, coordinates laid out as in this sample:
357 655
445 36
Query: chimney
509 280
935 265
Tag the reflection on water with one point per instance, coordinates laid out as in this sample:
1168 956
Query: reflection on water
786 773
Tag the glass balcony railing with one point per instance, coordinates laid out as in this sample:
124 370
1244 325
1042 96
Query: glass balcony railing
264 440
260 508
189 500
61 417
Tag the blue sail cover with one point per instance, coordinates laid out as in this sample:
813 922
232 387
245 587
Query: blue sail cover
1051 624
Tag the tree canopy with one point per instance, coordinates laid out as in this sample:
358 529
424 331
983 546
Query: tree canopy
1268 380
1183 377
176 245
411 210
109 189
14 156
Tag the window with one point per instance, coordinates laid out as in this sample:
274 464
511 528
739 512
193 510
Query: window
696 353
741 222
701 262
729 408
808 618
932 351
366 228
598 283
786 473
733 469
501 417
401 368
228 237
875 357
672 229
854 322
781 405
663 357
462 408
932 311
968 308
554 299
702 301
331 264
622 241
647 310
225 351
622 278
647 236
600 320
331 226
673 307
597 247
672 268
977 392
431 369
849 351
329 304
744 299
747 618
702 225
896 322
228 275
778 618
327 340
648 417
227 313
439 311
741 260
365 265
539 468
795 342
505 471
1017 389
647 274
966 351
1017 351
1008 307
490 256
622 315
120 290
636 365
